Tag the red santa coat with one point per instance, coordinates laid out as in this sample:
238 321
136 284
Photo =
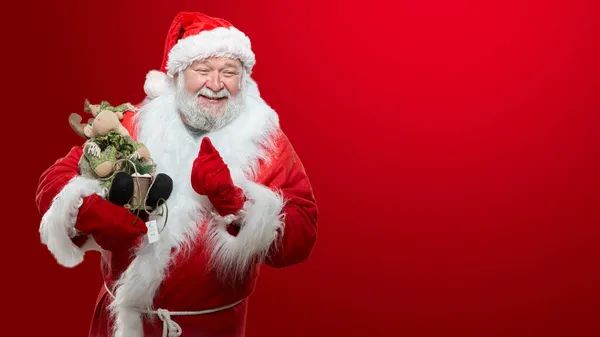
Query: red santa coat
202 263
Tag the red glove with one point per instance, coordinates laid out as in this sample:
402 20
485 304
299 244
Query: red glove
211 177
113 227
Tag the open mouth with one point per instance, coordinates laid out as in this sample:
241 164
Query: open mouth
213 98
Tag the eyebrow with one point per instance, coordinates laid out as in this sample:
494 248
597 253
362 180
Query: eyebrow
229 64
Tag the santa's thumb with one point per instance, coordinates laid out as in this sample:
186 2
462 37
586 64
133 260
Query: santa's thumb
207 148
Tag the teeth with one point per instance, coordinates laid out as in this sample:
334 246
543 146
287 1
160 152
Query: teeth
213 98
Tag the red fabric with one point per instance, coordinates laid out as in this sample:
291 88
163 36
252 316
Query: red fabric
113 227
128 123
289 177
186 24
211 177
225 323
195 23
54 179
190 285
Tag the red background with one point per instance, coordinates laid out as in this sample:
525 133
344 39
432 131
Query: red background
453 147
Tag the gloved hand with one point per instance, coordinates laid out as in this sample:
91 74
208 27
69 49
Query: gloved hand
211 177
113 227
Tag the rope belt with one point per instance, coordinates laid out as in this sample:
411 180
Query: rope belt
170 327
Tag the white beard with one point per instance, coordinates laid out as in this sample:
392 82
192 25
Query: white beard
207 119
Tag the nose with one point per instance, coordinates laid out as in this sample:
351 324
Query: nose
214 82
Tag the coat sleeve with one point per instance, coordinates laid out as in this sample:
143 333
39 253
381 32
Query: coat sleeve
298 232
59 194
278 224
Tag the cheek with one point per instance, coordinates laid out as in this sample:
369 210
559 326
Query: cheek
233 85
193 83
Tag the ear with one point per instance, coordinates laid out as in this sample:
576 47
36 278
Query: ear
86 106
95 110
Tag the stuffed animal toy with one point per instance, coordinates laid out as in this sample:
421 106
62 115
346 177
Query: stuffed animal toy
123 165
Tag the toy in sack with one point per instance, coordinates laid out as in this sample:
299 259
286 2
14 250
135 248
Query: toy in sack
124 166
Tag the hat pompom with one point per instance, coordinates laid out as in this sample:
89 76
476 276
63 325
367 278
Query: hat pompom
157 83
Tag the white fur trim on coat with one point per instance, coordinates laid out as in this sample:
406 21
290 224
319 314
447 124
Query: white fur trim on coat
260 224
57 227
223 42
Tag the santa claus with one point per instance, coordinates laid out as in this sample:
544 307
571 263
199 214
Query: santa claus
241 197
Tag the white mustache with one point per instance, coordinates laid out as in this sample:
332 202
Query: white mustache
209 93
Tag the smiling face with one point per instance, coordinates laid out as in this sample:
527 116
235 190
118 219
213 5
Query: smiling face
209 92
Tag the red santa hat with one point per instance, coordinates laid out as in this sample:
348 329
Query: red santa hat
194 36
